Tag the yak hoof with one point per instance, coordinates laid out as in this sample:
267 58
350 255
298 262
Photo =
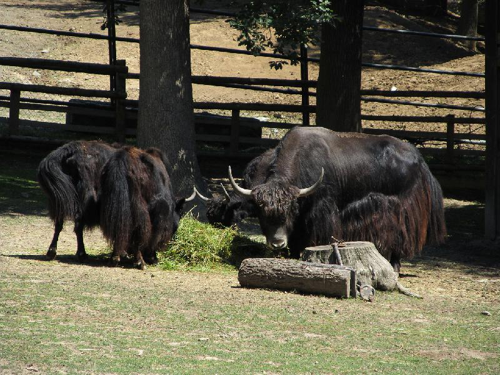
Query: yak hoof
141 265
114 261
51 254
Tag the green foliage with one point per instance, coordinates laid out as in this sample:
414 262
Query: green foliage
202 246
282 26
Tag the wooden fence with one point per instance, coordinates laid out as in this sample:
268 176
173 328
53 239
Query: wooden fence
123 113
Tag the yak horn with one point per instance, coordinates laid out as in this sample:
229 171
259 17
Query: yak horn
226 194
192 196
239 190
202 197
308 191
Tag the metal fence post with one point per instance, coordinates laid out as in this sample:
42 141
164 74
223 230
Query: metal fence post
450 138
15 99
304 77
121 88
235 131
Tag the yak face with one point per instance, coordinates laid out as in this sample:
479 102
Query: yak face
227 212
277 204
277 210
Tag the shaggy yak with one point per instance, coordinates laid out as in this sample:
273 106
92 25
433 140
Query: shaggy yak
69 176
232 208
352 186
139 213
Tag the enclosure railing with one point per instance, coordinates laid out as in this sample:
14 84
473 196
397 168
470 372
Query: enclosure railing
15 102
293 87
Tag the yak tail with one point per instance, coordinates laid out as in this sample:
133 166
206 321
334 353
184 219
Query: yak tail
59 187
115 213
436 232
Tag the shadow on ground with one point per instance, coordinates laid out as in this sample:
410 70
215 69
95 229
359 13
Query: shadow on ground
101 260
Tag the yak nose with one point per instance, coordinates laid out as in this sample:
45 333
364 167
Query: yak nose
278 244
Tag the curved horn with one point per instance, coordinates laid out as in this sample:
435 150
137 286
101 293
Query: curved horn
202 197
226 194
239 190
192 196
311 189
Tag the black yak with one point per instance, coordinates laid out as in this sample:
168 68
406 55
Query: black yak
139 213
232 208
70 176
352 186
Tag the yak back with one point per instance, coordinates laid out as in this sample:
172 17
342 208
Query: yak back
70 176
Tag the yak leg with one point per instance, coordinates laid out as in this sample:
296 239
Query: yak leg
396 263
52 252
119 250
139 260
80 250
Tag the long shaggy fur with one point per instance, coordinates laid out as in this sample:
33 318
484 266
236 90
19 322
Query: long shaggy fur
376 188
69 176
138 211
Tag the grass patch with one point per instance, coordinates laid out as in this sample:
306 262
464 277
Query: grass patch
201 246
19 190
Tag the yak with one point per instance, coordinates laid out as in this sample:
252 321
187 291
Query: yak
352 186
70 177
231 208
138 211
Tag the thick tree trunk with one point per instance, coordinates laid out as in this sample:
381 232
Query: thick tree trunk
467 24
287 274
372 269
339 81
166 117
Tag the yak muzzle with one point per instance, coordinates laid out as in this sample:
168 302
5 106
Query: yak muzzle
277 244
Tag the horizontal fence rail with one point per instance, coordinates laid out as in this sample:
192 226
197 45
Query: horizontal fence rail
120 110
68 66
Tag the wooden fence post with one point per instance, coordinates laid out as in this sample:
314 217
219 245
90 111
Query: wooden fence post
304 76
235 131
121 87
450 138
110 15
15 99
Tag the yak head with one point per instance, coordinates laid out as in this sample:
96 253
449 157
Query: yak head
226 210
277 206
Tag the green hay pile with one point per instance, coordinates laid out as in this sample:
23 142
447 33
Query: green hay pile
201 246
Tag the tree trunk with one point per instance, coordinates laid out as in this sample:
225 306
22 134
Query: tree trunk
467 24
371 267
166 118
288 274
339 81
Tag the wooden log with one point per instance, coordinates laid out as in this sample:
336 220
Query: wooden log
287 274
371 267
